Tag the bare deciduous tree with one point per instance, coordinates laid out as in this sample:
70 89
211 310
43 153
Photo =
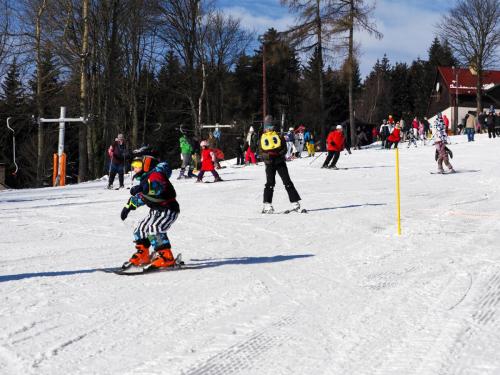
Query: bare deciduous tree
316 29
179 23
355 15
472 28
4 32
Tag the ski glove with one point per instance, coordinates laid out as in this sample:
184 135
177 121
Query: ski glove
128 207
124 213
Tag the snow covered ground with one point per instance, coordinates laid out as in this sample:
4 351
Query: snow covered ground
335 291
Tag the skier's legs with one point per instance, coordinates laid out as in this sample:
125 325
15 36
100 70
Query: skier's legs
239 158
441 155
112 175
120 175
329 157
282 170
336 156
270 183
250 156
162 256
216 175
200 175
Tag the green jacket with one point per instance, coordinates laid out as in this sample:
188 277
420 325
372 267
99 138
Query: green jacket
186 147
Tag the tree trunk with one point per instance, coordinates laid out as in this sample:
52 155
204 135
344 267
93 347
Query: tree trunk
350 71
319 33
39 93
202 94
479 87
82 129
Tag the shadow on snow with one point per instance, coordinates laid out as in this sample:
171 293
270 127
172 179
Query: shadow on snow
348 206
208 263
200 263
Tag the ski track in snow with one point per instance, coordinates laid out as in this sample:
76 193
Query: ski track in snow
335 291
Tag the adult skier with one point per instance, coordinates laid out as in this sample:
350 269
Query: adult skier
117 152
251 141
155 191
384 132
335 143
187 157
273 149
299 141
309 139
290 143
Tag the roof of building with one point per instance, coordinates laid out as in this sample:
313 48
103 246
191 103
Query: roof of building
467 80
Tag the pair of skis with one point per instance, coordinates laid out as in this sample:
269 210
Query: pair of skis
286 212
141 270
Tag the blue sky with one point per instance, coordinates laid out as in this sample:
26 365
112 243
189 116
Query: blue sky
409 26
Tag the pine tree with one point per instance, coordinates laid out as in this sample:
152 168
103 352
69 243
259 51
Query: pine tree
12 92
401 101
441 54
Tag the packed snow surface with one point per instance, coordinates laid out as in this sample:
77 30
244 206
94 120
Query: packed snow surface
334 291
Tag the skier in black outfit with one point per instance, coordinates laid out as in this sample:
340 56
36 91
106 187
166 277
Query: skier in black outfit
272 147
118 152
239 147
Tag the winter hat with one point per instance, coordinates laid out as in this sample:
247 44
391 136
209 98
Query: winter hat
268 122
290 128
204 144
120 137
339 127
251 130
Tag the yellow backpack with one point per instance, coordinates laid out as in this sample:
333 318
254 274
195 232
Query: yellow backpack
270 141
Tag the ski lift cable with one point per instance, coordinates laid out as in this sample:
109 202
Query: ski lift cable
13 144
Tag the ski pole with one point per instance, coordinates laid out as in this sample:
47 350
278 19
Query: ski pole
321 153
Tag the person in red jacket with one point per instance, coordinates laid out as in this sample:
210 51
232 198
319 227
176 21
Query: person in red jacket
207 162
335 143
394 137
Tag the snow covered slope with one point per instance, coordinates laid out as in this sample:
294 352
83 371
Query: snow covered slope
335 291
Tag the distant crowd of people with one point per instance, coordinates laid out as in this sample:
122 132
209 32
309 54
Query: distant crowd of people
205 155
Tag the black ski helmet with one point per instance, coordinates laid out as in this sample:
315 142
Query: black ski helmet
148 156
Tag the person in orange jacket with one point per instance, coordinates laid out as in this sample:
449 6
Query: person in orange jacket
394 137
335 143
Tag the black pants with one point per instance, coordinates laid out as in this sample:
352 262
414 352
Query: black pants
332 154
389 144
240 158
282 170
114 170
491 131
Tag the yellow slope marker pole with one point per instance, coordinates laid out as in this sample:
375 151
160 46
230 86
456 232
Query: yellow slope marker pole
398 194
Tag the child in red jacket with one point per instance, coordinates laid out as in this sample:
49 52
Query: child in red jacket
394 137
207 162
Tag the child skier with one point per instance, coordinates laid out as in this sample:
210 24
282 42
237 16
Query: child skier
440 141
207 162
273 149
156 192
412 139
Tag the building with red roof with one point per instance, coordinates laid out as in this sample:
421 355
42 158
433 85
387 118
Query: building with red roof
454 92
